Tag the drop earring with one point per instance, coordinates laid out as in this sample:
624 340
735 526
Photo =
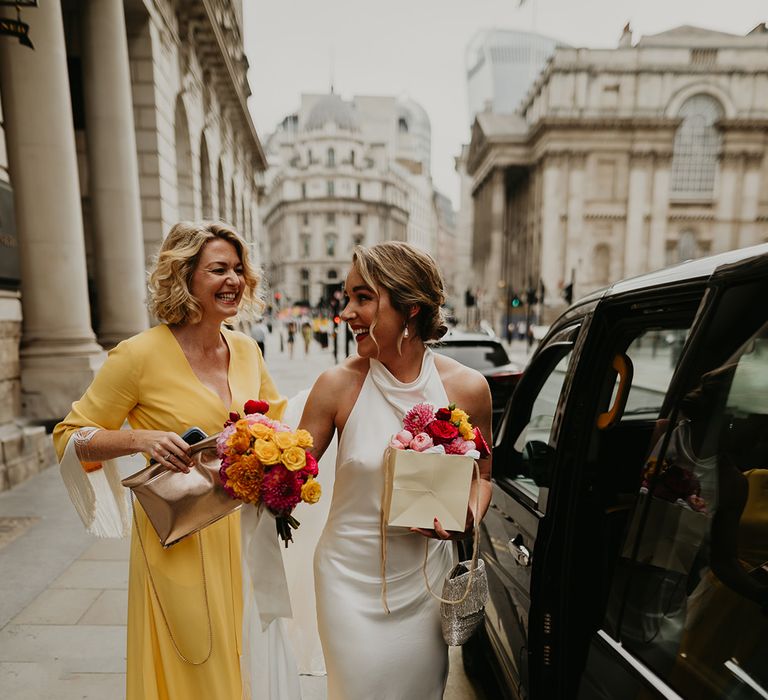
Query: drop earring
405 331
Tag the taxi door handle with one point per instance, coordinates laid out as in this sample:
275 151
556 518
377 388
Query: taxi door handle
519 551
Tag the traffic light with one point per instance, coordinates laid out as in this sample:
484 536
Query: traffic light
568 293
515 301
530 296
469 299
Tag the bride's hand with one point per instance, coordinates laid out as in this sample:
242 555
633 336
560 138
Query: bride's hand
440 533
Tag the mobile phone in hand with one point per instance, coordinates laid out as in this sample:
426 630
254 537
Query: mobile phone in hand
193 435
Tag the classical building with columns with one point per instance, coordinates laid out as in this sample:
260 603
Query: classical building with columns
620 161
343 173
128 115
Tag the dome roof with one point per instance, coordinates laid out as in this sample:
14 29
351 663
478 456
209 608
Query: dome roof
331 108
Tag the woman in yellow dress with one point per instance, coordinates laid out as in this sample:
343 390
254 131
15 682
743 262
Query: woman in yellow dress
184 603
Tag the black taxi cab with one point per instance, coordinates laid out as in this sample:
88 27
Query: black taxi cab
627 540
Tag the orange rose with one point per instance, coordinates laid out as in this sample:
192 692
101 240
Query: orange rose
311 491
305 438
261 431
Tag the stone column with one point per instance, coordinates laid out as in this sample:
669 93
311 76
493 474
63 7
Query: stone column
551 240
635 253
113 173
725 231
573 251
749 233
59 353
496 282
659 212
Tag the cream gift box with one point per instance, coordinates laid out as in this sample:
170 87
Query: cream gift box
422 486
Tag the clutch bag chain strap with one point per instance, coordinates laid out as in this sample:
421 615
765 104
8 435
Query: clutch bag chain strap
160 605
475 552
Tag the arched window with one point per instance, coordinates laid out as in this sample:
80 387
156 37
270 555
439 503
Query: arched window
205 180
331 157
697 144
402 125
332 275
330 245
184 185
222 195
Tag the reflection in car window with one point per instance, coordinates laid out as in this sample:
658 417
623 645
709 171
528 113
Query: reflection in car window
476 356
654 355
533 443
697 593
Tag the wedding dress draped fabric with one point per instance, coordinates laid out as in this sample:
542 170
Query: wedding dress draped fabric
369 653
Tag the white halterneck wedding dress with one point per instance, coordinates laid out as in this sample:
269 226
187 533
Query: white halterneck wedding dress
370 654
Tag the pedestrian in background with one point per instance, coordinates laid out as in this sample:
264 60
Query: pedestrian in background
259 334
291 338
184 603
306 333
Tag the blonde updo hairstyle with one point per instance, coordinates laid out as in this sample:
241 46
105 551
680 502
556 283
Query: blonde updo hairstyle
170 298
411 278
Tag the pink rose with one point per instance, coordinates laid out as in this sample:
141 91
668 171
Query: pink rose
395 444
421 442
404 436
459 446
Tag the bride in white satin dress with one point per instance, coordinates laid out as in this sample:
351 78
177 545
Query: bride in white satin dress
395 294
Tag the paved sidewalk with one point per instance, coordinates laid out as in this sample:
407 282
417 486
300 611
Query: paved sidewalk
63 593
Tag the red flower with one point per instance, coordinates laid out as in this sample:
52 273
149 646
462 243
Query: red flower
481 444
442 432
443 414
310 468
281 489
255 407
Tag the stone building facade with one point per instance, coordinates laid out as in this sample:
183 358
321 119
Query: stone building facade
345 173
621 161
128 116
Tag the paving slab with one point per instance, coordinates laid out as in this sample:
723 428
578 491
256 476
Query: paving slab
110 608
94 573
58 607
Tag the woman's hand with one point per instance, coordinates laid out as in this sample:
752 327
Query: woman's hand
165 448
440 533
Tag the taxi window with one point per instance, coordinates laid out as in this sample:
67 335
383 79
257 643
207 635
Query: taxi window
694 568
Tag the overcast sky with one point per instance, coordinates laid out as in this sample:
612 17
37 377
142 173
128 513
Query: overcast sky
416 48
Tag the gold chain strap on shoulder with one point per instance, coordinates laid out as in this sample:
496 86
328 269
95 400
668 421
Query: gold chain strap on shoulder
160 605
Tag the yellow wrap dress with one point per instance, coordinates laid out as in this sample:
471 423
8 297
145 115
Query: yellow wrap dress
148 381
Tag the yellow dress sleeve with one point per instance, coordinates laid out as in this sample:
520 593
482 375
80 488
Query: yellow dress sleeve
107 401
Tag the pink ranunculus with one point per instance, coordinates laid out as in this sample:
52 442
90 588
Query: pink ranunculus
404 436
395 444
421 442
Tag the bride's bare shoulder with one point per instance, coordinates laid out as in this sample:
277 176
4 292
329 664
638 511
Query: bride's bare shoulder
343 377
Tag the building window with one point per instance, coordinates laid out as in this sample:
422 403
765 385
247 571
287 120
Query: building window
332 275
331 189
696 147
305 219
352 157
688 246
359 191
402 125
304 240
304 274
303 190
309 156
330 245
358 219
602 265
330 217
331 157
358 239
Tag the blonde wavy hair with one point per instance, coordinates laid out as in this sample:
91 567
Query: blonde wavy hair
411 278
170 298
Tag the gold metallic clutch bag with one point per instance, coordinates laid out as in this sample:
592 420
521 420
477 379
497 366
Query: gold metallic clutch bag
179 504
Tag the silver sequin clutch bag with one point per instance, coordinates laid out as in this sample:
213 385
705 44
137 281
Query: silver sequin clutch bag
459 620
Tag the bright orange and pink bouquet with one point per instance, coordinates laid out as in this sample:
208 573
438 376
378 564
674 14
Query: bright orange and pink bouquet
266 463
